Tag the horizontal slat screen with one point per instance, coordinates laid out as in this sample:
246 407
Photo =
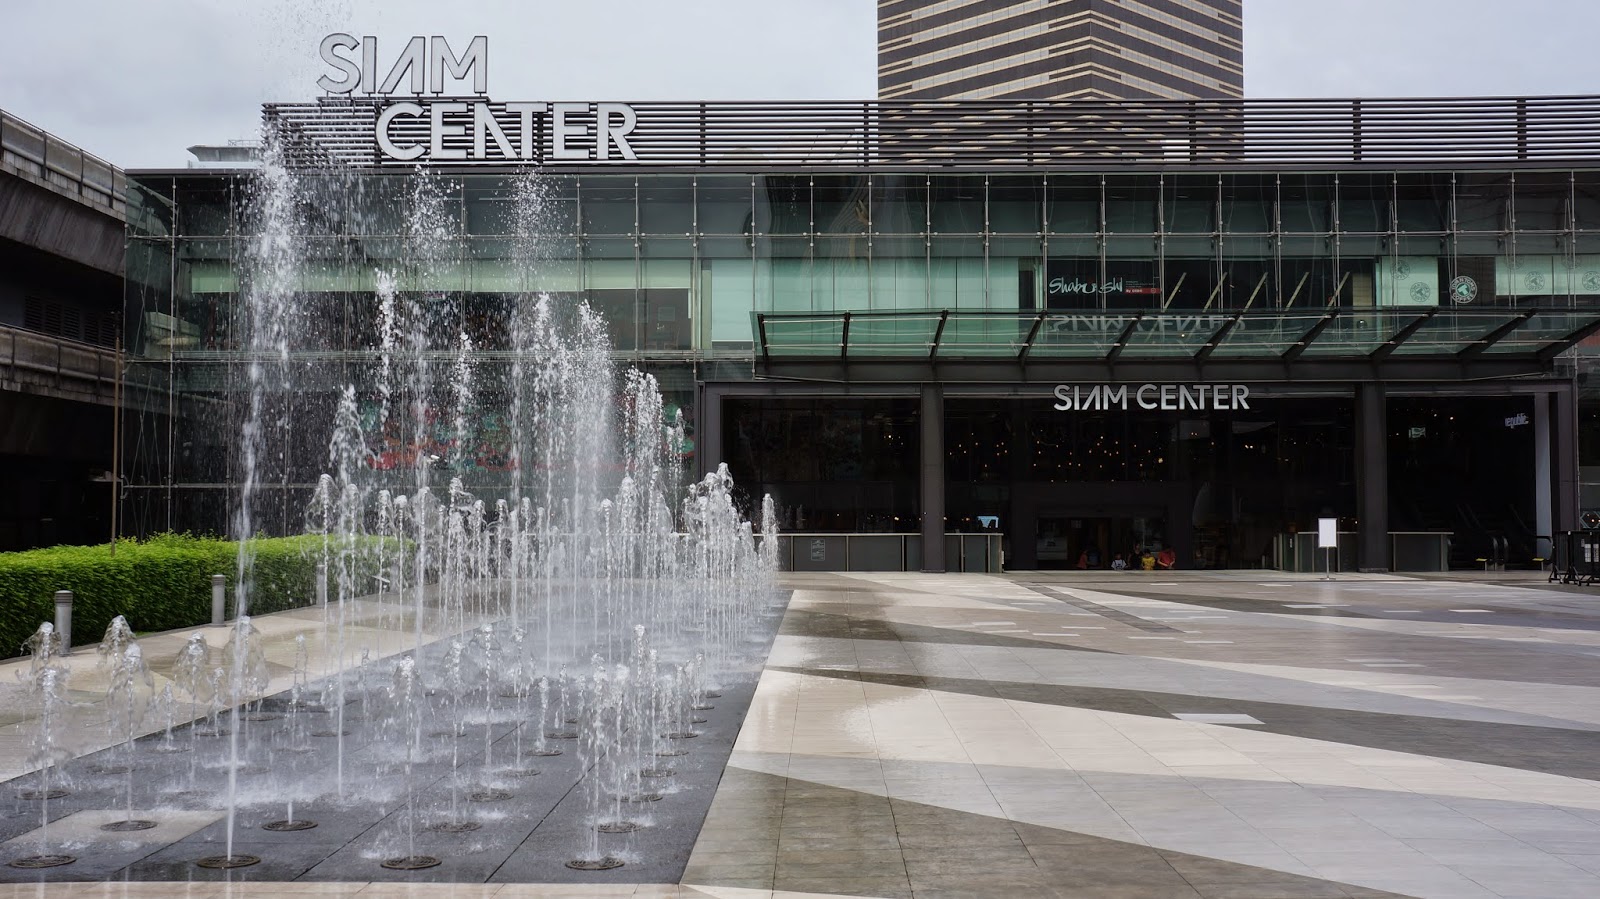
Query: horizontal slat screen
986 135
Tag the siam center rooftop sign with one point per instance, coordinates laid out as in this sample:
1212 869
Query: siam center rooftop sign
410 127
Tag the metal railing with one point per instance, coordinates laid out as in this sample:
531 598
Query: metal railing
1409 551
52 163
1577 558
1460 131
971 553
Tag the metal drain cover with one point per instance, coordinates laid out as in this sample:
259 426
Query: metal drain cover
228 861
44 861
288 826
129 825
410 863
595 864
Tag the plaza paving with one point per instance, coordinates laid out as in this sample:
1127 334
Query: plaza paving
1242 734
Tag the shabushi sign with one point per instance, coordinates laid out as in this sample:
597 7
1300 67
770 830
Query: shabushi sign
473 129
1152 397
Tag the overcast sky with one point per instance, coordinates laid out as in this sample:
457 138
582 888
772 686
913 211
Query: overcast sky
137 82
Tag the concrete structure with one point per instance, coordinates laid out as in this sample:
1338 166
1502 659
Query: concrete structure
231 155
1060 49
63 217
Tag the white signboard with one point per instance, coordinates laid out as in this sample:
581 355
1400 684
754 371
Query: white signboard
1327 533
1151 397
456 129
358 73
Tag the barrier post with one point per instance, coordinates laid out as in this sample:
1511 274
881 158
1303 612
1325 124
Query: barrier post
219 598
64 619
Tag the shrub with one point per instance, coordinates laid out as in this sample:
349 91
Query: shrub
159 584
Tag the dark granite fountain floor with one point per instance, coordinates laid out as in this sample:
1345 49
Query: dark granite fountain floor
527 837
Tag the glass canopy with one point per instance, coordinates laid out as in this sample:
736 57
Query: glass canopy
1157 336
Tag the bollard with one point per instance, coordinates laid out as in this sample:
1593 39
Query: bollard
219 598
322 584
64 619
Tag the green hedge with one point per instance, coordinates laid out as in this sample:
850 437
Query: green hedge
158 584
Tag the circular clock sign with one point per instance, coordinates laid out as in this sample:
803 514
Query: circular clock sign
1463 289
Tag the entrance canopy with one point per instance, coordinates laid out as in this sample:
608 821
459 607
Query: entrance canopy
1344 344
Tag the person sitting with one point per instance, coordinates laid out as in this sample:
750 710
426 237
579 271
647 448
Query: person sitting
1092 555
1083 560
1166 559
1147 561
1118 564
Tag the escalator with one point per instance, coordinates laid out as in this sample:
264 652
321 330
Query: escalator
1477 528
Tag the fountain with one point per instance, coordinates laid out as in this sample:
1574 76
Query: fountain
46 682
585 544
128 694
517 514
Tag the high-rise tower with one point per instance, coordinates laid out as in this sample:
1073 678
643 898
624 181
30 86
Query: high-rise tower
1059 49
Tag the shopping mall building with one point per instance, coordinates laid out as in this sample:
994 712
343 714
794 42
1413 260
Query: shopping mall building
1071 329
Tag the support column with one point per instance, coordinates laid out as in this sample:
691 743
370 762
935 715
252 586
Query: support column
1024 532
1372 478
1564 451
1544 488
932 478
708 431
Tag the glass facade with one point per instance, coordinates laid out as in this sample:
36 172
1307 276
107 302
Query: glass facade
1465 464
830 464
678 264
1240 476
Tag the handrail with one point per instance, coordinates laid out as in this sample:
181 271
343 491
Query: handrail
54 164
61 363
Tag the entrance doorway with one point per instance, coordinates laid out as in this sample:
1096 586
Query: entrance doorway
1096 538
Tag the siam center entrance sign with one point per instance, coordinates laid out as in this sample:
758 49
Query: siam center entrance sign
411 127
1152 397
